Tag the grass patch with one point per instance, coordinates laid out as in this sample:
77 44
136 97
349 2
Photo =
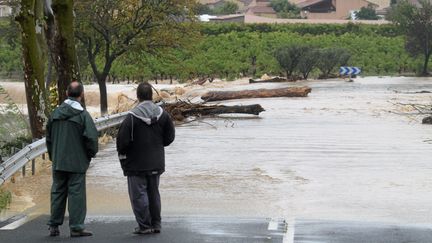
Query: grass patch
5 199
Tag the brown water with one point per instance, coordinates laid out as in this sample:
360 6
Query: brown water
341 153
338 154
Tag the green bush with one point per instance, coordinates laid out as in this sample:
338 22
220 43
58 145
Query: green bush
331 58
5 199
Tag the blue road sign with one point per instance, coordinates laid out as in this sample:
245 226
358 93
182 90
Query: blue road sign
349 70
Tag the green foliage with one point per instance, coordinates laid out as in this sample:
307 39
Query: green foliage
203 9
289 57
367 13
13 124
416 23
10 52
233 50
226 8
238 52
285 9
331 58
308 61
386 30
5 199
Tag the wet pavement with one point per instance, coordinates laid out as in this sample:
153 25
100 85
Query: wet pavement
318 231
221 229
174 230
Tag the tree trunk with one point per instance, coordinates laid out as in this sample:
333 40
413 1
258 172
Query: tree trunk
425 64
272 80
103 95
66 58
181 110
34 65
253 64
259 93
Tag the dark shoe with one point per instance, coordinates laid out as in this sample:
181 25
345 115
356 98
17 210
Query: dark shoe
156 230
54 231
80 233
140 231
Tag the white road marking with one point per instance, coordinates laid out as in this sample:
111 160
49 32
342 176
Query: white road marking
15 224
273 225
289 235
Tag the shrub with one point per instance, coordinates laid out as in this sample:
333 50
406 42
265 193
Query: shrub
330 58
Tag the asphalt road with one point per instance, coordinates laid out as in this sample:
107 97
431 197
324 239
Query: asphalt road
320 231
193 229
178 230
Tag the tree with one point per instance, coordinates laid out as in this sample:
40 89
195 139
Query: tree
367 13
330 58
416 23
285 9
203 9
66 61
30 19
109 29
46 28
289 57
308 61
226 8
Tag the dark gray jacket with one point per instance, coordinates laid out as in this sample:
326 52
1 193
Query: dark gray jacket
142 137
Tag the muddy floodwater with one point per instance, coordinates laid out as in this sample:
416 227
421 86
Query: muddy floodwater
344 152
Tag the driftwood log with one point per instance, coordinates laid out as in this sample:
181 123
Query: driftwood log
181 109
272 80
258 93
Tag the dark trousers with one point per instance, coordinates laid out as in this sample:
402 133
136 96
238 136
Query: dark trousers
70 187
145 200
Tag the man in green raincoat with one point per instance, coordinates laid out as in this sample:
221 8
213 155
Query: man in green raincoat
72 140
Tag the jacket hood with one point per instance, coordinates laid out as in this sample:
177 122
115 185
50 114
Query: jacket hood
148 112
67 109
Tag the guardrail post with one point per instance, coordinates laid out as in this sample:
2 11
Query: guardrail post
23 170
43 156
33 166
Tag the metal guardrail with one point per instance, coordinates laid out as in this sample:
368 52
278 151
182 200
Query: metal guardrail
36 149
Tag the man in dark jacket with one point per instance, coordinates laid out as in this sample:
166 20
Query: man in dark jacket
140 144
72 140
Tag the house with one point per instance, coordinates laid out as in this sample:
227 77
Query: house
5 11
332 9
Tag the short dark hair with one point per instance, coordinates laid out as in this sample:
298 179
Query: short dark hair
75 89
144 91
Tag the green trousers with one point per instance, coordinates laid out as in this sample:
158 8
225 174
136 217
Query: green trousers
70 187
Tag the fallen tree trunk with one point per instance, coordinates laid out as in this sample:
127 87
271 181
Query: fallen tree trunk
272 80
181 109
258 93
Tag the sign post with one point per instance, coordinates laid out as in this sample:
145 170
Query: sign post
349 71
